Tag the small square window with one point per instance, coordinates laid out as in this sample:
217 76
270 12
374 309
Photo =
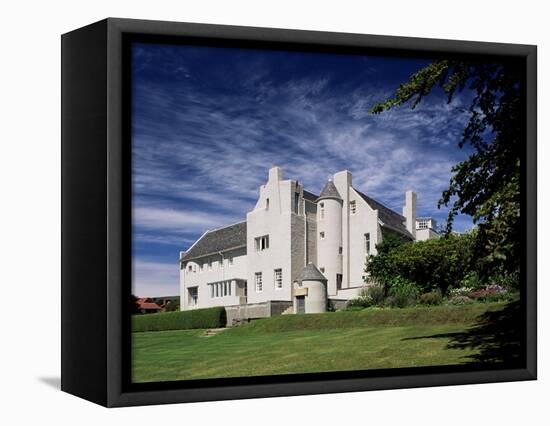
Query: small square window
262 243
352 207
322 235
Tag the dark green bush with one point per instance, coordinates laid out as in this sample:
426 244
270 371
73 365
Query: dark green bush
376 295
403 292
431 298
360 302
197 318
437 263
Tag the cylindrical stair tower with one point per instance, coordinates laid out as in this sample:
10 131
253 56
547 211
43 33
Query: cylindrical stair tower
329 236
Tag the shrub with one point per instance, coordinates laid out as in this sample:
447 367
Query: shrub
462 291
436 263
491 293
509 281
198 318
403 291
360 302
376 295
471 280
369 296
431 298
460 300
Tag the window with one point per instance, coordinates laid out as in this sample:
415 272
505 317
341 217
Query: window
278 279
209 264
339 250
338 281
367 243
193 296
262 243
422 224
322 269
322 235
221 263
201 269
225 288
267 204
321 211
258 281
217 290
230 261
296 202
190 268
352 207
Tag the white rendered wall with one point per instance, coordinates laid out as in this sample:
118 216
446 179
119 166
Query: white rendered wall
426 234
329 259
316 299
343 181
279 222
201 278
365 220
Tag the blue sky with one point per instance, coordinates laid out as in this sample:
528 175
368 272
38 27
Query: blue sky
207 123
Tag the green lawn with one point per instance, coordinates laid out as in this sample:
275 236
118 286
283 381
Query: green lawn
368 339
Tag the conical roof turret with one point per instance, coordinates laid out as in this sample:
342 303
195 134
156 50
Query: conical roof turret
330 191
311 273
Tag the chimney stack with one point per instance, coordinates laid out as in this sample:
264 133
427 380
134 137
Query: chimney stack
409 211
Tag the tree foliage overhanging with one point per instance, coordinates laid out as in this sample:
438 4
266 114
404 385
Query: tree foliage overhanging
486 185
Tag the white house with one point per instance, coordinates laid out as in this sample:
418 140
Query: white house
291 246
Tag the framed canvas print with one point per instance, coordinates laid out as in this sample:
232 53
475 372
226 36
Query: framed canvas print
253 212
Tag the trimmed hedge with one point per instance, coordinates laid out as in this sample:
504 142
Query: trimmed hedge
197 318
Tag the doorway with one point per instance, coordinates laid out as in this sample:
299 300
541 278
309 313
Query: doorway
300 304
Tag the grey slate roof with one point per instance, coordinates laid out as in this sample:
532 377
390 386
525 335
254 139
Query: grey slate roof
386 215
311 273
218 240
310 196
330 191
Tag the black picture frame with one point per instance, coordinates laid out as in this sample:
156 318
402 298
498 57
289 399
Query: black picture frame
96 225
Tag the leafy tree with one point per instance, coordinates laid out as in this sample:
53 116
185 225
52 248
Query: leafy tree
435 264
379 267
485 186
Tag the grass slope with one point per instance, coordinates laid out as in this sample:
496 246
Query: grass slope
340 341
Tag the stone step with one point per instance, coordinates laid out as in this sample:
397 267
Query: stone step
213 331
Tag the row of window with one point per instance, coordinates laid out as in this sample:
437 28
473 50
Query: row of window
277 279
192 267
220 289
422 224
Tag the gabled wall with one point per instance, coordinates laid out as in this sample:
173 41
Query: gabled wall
286 231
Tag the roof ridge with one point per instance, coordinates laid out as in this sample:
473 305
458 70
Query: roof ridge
226 226
377 202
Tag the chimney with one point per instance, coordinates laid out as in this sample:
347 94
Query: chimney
275 173
409 211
